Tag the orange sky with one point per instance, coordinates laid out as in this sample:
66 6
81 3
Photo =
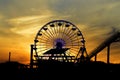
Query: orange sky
21 19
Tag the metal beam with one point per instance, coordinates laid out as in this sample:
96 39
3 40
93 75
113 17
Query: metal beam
104 44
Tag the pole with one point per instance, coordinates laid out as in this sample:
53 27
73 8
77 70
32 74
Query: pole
9 56
96 57
31 57
108 54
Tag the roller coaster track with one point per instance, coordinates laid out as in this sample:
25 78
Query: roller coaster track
113 38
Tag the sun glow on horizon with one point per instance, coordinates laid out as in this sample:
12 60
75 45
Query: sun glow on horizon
21 20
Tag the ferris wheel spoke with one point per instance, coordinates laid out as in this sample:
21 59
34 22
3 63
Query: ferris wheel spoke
72 45
60 29
77 39
75 43
68 31
49 34
44 43
43 46
41 41
50 29
73 35
44 39
55 29
74 50
64 30
66 38
46 35
43 51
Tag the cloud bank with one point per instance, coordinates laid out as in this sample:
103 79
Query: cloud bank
21 19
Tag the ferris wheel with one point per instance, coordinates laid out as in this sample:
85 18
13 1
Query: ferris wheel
62 33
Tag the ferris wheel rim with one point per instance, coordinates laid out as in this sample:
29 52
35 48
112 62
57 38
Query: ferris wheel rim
58 21
54 21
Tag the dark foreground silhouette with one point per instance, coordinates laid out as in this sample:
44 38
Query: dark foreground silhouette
54 70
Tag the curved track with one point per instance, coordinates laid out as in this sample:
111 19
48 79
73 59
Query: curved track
112 38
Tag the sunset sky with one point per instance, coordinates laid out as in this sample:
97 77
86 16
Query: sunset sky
20 20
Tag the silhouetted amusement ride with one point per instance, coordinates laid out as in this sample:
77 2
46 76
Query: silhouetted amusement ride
58 40
59 49
62 41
